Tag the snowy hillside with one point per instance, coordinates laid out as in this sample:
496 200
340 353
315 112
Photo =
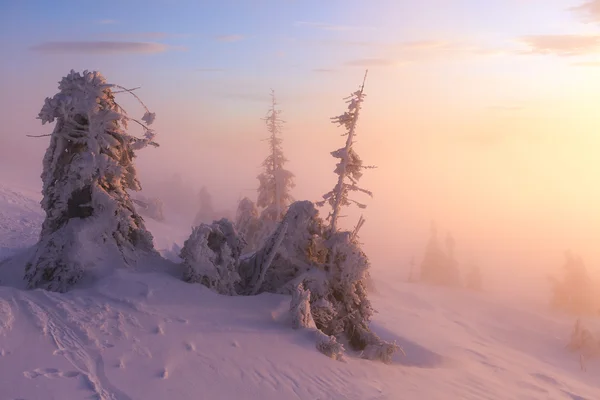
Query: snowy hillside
21 218
147 335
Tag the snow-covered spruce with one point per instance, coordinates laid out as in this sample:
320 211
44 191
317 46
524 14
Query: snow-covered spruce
439 266
275 182
349 168
87 170
332 267
211 256
574 291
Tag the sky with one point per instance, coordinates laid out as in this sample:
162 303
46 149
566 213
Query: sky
480 115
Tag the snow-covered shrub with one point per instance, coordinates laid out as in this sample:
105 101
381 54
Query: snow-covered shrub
300 308
574 293
293 256
329 265
211 256
300 312
439 267
329 346
87 170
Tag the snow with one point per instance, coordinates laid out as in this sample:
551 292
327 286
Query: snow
144 334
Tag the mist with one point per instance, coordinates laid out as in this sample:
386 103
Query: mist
514 198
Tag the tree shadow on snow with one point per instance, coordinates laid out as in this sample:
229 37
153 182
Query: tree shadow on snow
415 355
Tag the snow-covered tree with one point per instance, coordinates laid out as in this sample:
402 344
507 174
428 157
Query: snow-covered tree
275 182
440 267
331 266
349 168
574 293
87 170
211 256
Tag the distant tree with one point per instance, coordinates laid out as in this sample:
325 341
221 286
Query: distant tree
439 267
349 168
452 273
87 170
573 293
206 211
275 182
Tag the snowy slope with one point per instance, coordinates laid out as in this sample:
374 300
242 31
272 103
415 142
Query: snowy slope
21 217
146 335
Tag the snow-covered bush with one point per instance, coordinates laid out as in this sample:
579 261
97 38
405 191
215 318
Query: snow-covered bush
301 315
294 256
439 267
211 256
87 170
574 293
329 265
300 308
329 346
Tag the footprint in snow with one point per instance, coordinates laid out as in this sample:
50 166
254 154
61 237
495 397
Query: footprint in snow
51 373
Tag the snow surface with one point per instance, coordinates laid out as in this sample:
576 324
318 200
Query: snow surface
147 335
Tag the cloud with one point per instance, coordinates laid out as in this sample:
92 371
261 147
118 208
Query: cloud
324 70
141 35
210 70
101 47
107 21
590 10
561 45
229 38
327 27
587 64
371 62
